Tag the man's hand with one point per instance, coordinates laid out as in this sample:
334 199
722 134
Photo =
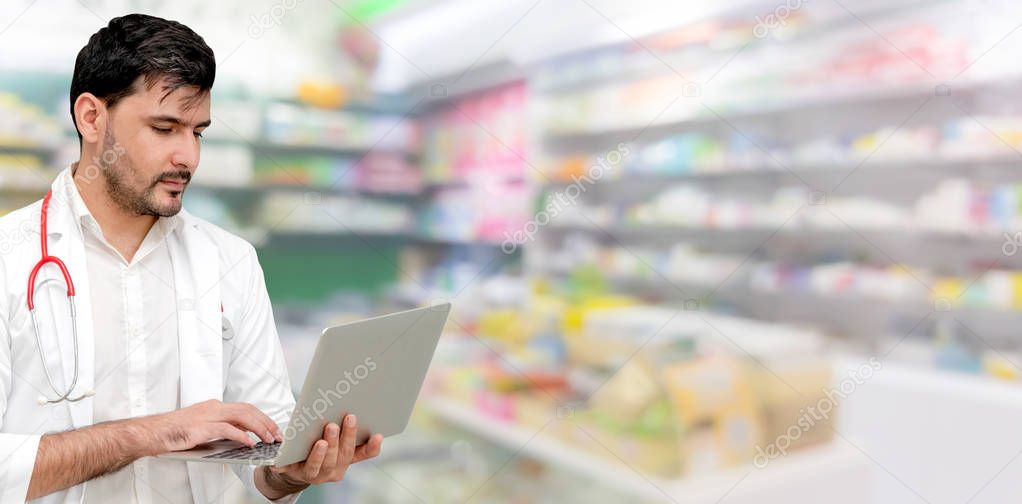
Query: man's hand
327 463
209 420
65 459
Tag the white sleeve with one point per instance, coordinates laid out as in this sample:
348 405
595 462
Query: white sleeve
257 372
17 451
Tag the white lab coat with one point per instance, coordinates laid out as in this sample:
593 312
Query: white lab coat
211 267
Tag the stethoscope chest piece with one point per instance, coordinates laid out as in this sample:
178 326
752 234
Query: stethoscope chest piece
226 329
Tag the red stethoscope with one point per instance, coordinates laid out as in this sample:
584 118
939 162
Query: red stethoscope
228 331
43 261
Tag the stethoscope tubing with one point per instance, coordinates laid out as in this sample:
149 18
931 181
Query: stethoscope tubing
45 259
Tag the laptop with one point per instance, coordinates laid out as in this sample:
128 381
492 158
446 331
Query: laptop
373 368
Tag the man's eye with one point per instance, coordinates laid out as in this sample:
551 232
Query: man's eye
198 134
162 131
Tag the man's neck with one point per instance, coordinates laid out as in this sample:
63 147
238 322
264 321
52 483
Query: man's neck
123 229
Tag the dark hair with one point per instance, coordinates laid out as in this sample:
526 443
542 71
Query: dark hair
139 45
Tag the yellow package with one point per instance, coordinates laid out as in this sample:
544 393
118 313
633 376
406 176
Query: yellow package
715 393
628 393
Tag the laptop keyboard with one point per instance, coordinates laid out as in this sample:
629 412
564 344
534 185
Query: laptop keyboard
261 451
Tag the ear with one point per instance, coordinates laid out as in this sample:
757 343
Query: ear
90 116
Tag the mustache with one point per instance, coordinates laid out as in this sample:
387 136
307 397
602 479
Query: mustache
184 175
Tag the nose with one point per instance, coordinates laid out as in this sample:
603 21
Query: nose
186 152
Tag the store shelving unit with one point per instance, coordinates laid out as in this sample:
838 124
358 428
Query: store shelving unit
715 112
837 471
780 168
258 189
835 466
24 149
712 113
271 147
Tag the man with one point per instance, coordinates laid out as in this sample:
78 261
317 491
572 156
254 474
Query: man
145 368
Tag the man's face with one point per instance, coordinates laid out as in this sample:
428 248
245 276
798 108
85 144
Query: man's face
151 147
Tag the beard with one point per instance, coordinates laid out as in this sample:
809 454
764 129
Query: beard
118 177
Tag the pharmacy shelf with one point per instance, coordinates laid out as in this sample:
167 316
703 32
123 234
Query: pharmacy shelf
700 116
379 104
444 90
262 189
737 288
837 466
763 232
327 150
28 149
625 66
437 185
18 189
269 147
342 233
406 235
456 241
878 167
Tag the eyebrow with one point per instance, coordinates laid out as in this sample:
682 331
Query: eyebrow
175 120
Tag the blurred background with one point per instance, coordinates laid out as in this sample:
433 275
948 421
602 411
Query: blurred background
753 251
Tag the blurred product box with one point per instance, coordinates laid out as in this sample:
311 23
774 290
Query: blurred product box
225 165
235 121
315 171
481 134
610 336
717 412
381 172
294 125
652 453
793 398
333 214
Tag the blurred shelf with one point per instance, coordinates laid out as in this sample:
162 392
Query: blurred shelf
455 241
378 104
705 114
405 235
436 185
329 150
759 233
258 189
272 147
31 190
342 233
877 167
30 150
737 288
445 90
784 474
626 67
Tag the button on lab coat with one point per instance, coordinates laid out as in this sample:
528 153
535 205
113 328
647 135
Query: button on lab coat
211 267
